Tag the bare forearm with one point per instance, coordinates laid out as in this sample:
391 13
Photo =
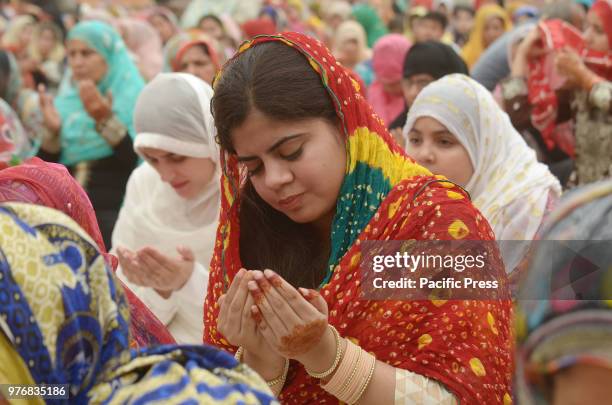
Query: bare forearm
519 65
50 141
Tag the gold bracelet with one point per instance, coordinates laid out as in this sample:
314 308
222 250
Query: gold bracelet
366 383
282 377
349 380
112 130
238 355
271 383
339 353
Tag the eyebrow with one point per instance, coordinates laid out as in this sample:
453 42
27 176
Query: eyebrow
443 132
147 156
271 148
438 132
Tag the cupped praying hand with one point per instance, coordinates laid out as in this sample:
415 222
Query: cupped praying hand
148 267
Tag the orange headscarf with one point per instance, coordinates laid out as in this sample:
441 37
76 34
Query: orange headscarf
188 44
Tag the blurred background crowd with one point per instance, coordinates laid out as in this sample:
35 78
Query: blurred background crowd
394 48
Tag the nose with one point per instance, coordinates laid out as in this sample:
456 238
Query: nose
424 155
277 175
76 61
165 172
190 68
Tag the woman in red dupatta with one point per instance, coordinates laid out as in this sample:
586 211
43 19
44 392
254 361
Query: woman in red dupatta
463 345
562 79
51 185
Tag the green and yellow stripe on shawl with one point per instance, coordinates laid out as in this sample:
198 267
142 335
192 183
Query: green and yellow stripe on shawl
375 163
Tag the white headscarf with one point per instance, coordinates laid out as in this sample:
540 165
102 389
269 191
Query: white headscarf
509 186
172 114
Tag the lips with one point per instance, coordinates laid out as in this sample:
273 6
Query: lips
176 186
291 201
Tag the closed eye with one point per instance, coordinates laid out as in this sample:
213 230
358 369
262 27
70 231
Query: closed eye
292 156
256 171
253 168
176 158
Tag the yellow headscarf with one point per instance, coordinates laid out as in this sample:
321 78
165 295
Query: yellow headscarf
475 46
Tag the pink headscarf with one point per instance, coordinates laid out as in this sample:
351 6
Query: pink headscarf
144 41
388 64
166 13
388 57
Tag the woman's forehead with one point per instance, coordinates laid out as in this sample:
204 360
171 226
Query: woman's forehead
259 132
79 44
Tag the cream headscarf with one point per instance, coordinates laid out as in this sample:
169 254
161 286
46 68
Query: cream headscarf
352 30
58 52
509 186
11 37
171 114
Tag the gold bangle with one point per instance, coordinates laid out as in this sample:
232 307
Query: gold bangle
280 381
349 380
271 383
280 377
339 353
238 355
112 130
367 382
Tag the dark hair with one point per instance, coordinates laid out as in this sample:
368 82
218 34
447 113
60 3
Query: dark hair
204 47
437 17
396 25
279 82
5 74
464 8
433 58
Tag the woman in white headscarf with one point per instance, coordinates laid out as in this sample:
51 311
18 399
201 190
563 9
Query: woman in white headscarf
172 203
455 128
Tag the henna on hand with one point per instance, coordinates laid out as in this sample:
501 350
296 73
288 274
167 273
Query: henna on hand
303 338
257 317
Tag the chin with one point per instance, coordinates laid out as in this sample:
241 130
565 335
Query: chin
185 194
302 216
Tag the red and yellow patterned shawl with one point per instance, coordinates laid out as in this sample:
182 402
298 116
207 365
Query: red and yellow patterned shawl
465 345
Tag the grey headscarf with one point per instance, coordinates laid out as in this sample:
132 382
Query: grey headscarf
186 127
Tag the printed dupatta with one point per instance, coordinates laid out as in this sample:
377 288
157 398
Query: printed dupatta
465 345
51 185
543 81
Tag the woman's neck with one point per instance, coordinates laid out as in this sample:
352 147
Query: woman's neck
323 225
